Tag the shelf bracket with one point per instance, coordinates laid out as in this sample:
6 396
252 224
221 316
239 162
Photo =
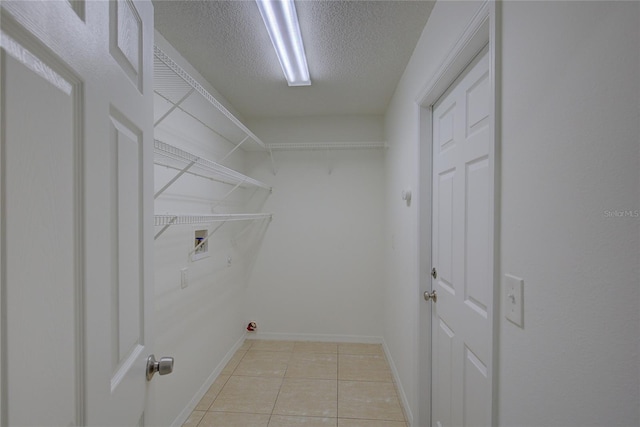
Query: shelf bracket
159 233
255 191
199 245
235 239
173 107
273 163
226 195
330 161
175 178
234 149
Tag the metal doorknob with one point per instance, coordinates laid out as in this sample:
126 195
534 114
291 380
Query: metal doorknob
164 366
430 296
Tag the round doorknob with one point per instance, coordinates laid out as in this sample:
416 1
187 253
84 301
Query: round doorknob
163 367
430 296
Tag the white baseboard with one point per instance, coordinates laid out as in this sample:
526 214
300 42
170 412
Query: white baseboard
396 378
363 339
184 415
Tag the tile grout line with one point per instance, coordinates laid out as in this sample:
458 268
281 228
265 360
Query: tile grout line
225 383
284 377
337 385
280 389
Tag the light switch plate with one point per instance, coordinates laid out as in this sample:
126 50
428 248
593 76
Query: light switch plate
514 299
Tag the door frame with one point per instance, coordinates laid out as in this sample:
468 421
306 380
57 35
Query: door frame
480 31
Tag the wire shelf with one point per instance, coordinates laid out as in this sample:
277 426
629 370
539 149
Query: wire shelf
173 157
284 146
176 86
167 219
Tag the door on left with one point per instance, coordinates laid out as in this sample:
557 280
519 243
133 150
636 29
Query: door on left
76 212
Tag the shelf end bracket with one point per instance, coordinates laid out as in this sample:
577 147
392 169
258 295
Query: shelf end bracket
234 149
173 107
159 233
175 178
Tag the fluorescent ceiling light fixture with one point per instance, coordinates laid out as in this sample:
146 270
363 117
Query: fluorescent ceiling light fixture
281 20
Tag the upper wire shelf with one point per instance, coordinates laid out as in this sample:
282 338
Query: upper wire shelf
167 219
176 86
286 146
178 159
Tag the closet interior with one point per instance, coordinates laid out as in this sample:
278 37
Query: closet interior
253 231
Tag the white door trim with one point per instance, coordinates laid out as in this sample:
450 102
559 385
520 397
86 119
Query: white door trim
480 31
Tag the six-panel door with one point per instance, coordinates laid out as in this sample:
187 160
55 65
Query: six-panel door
76 203
462 247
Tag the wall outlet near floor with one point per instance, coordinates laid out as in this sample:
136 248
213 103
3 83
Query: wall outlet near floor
514 299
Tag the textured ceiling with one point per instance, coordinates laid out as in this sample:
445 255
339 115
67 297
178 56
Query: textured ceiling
356 51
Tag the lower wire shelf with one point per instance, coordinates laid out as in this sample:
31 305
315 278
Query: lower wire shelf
165 221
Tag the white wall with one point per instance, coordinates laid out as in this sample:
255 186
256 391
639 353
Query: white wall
318 274
328 267
200 324
319 129
570 153
401 296
570 150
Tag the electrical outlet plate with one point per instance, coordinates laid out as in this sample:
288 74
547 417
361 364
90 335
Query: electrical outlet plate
514 299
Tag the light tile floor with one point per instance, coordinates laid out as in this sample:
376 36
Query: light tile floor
289 384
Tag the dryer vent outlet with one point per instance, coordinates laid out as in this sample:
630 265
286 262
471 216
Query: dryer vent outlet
252 326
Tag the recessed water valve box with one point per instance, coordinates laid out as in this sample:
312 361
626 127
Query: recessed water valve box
200 245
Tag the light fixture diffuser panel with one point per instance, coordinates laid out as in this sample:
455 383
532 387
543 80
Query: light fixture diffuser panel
281 20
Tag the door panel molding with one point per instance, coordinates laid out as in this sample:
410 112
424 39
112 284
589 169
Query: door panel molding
125 40
481 30
66 75
22 49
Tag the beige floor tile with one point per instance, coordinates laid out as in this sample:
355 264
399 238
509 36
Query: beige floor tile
315 347
368 400
266 345
307 398
313 365
345 422
194 419
263 364
255 395
227 419
356 348
285 421
364 367
233 363
212 393
246 345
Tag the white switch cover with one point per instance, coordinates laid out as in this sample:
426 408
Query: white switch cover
514 299
184 278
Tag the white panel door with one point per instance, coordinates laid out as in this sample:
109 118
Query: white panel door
76 202
462 246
